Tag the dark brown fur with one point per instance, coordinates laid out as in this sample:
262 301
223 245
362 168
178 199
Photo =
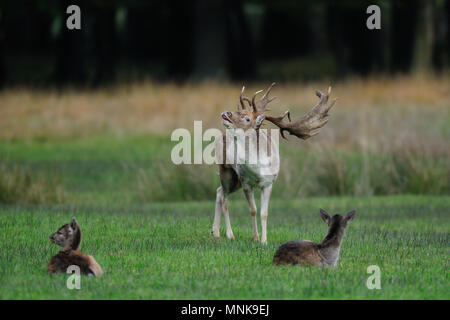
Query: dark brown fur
297 252
61 261
307 253
229 179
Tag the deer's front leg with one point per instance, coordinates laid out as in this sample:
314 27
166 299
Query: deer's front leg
251 202
216 225
227 216
265 198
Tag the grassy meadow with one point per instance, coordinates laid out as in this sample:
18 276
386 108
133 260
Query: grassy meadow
103 156
165 251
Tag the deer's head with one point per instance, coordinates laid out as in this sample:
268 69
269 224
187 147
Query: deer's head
244 118
252 117
68 236
337 221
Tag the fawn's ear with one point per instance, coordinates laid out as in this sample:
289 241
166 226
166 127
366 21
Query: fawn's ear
74 223
325 216
349 217
259 120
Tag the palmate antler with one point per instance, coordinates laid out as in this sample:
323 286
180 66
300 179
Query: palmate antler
304 127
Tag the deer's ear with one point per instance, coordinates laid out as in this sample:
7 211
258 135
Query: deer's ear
325 216
349 217
259 120
74 223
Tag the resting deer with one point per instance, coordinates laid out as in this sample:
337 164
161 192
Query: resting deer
323 254
239 172
69 237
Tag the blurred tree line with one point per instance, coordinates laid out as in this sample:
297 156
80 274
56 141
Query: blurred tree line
123 40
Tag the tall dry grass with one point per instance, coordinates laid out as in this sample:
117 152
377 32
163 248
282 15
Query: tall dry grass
20 185
385 135
151 107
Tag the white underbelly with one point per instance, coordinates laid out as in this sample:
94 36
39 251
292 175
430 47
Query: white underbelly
255 176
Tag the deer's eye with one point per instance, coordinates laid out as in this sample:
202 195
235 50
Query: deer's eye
247 119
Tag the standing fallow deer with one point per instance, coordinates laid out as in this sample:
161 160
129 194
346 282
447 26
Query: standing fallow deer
237 171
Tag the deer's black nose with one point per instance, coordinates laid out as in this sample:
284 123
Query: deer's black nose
51 237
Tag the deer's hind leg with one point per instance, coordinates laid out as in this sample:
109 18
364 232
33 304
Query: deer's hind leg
229 183
265 198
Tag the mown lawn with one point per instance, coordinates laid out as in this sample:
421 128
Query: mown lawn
165 251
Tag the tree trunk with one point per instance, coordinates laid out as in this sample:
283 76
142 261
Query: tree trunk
424 37
209 40
70 58
2 54
241 45
104 45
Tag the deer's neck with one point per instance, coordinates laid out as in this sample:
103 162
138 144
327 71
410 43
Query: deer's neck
251 143
330 246
75 242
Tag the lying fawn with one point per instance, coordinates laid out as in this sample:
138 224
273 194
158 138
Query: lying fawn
323 254
69 237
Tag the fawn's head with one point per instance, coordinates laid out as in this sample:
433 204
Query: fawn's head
68 236
337 222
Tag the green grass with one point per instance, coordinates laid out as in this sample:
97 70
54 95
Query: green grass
141 223
165 251
133 169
